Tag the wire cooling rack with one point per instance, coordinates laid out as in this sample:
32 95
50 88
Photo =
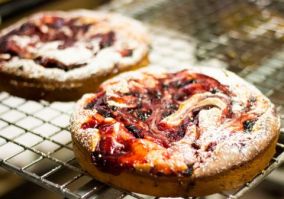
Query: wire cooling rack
243 36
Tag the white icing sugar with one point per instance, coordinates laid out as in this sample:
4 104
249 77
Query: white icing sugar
23 41
77 54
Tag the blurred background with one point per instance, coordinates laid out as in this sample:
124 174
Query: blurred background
244 36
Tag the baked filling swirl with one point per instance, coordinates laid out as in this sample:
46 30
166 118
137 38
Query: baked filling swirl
169 123
68 40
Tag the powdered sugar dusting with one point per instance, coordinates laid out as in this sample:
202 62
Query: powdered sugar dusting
220 139
92 53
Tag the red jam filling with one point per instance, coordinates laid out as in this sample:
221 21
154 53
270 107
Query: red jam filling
149 106
55 26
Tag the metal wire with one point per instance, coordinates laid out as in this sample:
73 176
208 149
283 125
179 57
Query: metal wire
243 36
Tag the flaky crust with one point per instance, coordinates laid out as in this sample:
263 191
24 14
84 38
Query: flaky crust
27 72
236 159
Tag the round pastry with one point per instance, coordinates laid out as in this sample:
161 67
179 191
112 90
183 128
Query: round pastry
188 133
61 55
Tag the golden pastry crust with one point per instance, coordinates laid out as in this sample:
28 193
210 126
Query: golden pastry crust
64 51
189 133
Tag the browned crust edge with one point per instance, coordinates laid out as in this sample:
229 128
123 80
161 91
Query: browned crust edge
175 186
51 90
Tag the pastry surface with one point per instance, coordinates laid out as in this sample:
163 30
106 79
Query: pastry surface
67 50
174 128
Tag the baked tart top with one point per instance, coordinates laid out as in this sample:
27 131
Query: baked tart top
194 122
72 45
